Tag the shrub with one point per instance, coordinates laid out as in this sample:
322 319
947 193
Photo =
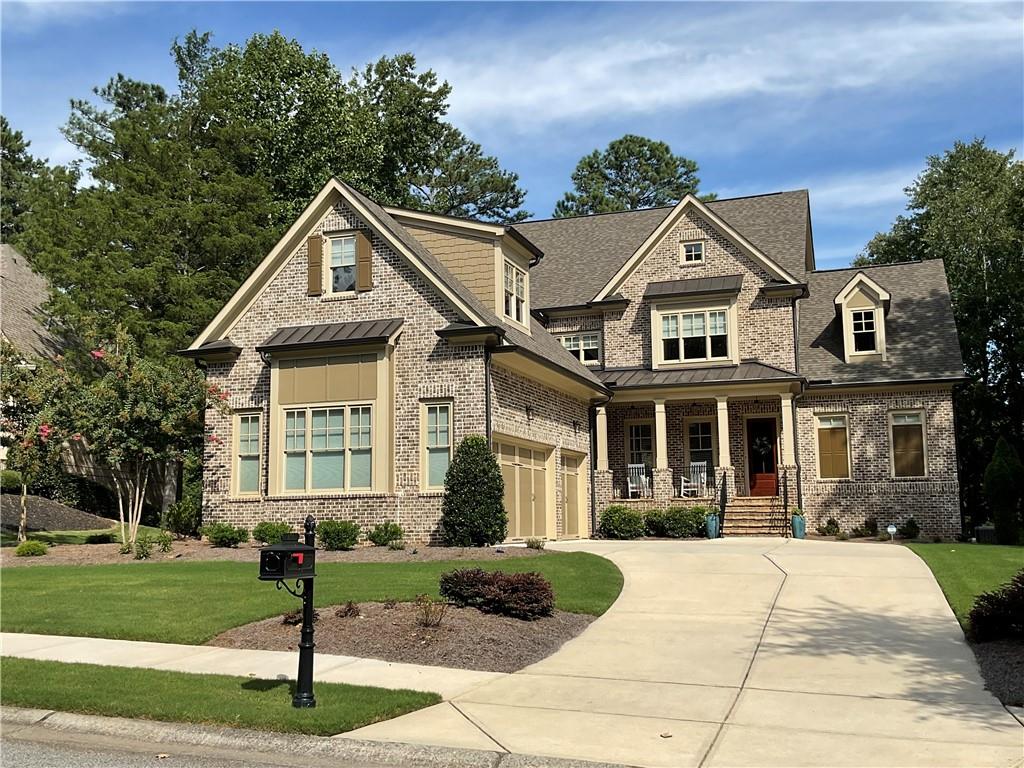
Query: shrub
1002 490
519 595
909 530
654 523
347 611
183 517
396 546
100 538
999 614
430 612
830 528
143 546
224 535
270 533
621 522
337 534
125 548
473 509
465 586
535 543
871 526
10 481
382 534
685 522
30 548
164 540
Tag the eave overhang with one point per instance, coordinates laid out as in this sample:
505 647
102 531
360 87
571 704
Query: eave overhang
536 367
461 334
218 351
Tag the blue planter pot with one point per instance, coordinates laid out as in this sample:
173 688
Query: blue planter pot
799 526
711 524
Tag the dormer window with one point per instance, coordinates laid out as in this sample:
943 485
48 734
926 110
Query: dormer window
692 252
864 336
860 310
515 293
585 347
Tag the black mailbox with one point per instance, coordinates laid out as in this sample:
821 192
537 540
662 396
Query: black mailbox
287 560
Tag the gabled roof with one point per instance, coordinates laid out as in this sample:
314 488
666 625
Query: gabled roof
858 280
22 295
920 334
583 253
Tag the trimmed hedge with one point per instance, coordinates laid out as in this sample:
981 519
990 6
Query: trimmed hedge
621 522
473 510
224 535
384 534
31 548
337 534
269 532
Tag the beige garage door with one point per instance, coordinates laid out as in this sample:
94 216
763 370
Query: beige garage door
526 489
571 493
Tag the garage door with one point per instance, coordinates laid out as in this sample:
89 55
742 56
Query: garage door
571 493
526 481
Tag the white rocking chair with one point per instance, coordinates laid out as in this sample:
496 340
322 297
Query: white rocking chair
637 481
696 484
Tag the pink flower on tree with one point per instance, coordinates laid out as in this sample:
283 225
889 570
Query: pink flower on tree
214 439
44 432
98 354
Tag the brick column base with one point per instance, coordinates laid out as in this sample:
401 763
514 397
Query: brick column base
663 490
603 489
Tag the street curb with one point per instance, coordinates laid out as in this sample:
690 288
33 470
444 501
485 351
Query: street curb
268 744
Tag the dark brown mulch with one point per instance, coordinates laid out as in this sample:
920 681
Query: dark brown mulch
466 639
192 549
1002 668
47 515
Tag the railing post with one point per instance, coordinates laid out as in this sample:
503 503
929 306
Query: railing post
723 499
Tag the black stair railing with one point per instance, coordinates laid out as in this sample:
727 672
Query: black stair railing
723 499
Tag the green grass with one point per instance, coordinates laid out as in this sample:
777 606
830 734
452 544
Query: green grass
10 538
964 571
195 601
238 702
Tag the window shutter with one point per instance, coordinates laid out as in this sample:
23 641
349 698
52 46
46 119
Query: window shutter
364 261
314 257
908 450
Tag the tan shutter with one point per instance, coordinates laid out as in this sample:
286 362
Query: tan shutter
314 273
364 262
833 452
908 450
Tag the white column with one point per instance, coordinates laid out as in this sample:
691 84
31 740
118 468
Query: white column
724 459
788 441
602 438
660 436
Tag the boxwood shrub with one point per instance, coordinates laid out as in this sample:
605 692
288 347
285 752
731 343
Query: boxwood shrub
30 548
383 534
269 532
337 534
621 522
224 535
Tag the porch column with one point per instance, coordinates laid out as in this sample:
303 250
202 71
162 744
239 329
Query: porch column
724 459
660 436
788 441
602 438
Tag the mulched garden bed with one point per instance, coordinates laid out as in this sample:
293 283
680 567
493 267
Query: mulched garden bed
47 515
1002 668
192 549
466 639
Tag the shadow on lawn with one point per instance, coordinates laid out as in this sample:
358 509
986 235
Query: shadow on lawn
269 685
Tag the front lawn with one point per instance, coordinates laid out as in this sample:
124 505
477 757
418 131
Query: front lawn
10 538
239 702
964 571
195 601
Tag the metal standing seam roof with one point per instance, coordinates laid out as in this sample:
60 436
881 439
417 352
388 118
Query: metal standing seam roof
696 286
331 334
746 371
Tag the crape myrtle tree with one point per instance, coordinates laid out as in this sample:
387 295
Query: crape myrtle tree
473 509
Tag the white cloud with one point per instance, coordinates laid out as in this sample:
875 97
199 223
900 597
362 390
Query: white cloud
36 14
654 58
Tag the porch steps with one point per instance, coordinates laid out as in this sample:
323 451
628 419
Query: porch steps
755 516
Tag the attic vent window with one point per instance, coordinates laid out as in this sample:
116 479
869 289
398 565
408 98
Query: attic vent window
864 338
693 252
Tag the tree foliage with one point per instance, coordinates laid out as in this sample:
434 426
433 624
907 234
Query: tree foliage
1002 490
632 172
17 170
473 509
967 208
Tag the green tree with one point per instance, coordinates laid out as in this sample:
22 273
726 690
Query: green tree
17 169
1002 490
967 208
473 509
632 172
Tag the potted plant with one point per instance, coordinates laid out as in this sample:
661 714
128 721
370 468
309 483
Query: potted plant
711 524
799 523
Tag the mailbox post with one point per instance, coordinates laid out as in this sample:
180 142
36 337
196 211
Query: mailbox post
292 560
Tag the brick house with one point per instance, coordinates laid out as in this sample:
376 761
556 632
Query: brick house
651 358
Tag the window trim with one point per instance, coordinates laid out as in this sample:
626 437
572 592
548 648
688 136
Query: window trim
817 445
713 421
326 266
581 334
854 352
683 261
308 489
659 311
236 475
516 298
892 443
425 405
627 424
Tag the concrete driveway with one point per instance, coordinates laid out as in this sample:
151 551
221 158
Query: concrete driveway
746 652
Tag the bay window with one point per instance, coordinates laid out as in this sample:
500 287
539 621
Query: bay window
702 335
328 448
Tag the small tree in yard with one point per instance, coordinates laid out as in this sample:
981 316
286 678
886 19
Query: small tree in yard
473 511
1002 489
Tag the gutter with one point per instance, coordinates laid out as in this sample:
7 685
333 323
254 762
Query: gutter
830 384
597 387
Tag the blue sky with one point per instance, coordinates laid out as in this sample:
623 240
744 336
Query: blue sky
845 99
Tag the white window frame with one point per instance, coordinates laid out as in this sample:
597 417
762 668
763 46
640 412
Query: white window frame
687 248
705 313
891 419
576 344
818 425
713 421
627 428
515 293
236 453
872 312
425 440
346 449
328 259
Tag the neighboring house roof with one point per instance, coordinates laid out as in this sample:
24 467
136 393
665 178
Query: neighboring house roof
582 254
921 341
748 371
22 294
332 334
696 286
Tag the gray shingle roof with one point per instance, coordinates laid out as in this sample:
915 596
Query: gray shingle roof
332 334
22 294
746 371
920 333
696 286
582 254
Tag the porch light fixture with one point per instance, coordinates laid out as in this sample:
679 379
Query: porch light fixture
529 413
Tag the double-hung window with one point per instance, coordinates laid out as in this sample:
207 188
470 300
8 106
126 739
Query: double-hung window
908 445
700 444
689 336
328 448
864 336
247 457
585 347
693 252
640 444
833 448
343 264
515 293
438 434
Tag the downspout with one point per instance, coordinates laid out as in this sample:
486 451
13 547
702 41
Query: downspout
487 393
796 429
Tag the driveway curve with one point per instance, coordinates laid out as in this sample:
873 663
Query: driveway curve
745 652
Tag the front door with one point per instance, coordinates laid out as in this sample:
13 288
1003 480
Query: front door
762 457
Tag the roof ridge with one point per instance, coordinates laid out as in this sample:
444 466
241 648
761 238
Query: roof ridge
873 266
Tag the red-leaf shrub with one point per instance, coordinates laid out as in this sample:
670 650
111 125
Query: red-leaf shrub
465 586
524 596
